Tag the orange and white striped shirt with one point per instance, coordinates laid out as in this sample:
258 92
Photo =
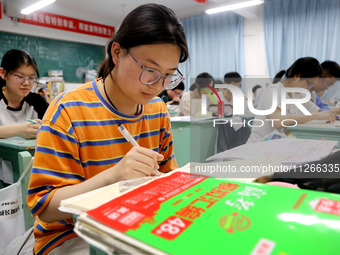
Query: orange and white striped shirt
78 139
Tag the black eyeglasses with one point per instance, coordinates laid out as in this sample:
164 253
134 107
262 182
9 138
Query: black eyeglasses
150 76
21 79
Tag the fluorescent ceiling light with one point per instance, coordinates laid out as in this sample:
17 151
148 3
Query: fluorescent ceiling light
233 6
36 6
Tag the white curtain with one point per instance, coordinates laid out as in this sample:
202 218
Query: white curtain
301 28
215 45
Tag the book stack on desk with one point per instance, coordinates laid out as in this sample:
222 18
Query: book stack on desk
189 214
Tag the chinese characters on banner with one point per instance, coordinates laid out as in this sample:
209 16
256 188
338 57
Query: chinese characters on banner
51 20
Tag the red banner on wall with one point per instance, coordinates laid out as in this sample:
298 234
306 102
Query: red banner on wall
202 1
51 20
0 11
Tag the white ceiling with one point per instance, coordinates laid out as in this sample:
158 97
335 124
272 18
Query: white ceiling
112 12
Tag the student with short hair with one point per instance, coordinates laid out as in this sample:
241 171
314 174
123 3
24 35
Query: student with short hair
254 90
332 94
79 146
18 74
235 79
191 100
231 78
172 96
301 74
330 75
43 93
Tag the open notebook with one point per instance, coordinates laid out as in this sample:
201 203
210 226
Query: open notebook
92 199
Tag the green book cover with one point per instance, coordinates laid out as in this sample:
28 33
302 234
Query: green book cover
189 214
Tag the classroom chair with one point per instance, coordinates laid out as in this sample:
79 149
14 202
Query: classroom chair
24 158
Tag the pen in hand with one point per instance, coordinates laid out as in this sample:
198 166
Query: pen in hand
130 139
32 121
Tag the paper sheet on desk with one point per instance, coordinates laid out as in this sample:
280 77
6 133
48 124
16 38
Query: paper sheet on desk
97 197
293 151
94 198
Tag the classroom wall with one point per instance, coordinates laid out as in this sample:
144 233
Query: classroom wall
254 51
7 25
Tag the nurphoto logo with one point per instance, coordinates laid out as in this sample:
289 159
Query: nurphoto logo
239 102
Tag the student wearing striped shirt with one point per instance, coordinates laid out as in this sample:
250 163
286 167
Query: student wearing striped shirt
79 147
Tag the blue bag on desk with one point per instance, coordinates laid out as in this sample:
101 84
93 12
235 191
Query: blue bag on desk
12 223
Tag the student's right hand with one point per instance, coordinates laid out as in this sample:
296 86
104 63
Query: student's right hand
329 116
138 162
29 130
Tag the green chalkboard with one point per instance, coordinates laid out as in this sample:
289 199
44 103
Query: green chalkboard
73 58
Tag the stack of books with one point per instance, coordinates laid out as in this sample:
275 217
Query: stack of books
182 213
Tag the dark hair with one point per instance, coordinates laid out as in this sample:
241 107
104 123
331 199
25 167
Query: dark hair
180 86
192 87
147 24
331 68
14 59
203 79
256 87
232 77
307 67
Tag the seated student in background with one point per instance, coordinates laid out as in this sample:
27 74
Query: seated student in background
330 74
18 74
43 93
301 74
218 89
172 97
232 78
256 93
191 100
235 79
79 146
332 94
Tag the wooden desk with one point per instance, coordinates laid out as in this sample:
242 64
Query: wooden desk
194 141
9 149
317 130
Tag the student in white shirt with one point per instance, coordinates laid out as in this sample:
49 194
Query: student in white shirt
190 104
18 74
304 72
235 79
330 75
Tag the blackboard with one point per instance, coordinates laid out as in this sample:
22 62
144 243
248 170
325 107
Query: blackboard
73 58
